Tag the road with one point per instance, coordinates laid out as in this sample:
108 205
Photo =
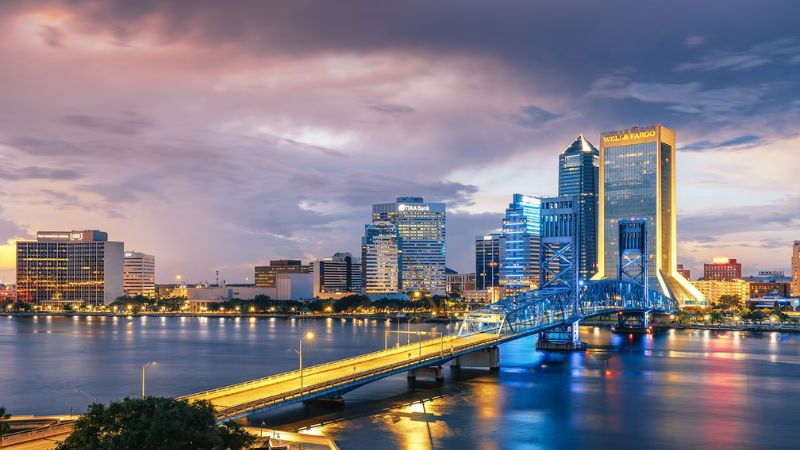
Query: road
41 439
278 388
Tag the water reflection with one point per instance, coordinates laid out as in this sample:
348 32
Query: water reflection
680 389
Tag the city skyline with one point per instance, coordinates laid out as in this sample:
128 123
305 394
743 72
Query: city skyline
215 167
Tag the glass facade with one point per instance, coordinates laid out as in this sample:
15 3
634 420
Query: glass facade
380 249
579 176
488 254
630 193
421 233
637 186
519 269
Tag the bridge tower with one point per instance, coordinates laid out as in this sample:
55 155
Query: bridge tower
633 268
559 268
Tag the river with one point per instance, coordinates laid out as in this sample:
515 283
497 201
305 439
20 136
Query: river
679 389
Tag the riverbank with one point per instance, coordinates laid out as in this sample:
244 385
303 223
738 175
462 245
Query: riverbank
394 317
782 327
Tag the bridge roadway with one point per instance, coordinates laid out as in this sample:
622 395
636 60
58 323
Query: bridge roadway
333 379
337 377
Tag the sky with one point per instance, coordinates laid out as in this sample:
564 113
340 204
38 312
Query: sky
220 135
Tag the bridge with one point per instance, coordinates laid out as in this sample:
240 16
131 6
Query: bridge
548 311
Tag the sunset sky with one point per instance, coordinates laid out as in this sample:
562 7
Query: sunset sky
218 135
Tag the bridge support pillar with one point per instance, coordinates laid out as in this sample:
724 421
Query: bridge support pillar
639 322
563 339
435 372
487 357
326 402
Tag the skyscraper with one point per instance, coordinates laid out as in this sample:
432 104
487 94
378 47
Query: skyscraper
140 274
796 269
519 268
560 218
579 176
70 267
637 189
380 251
339 274
421 231
488 254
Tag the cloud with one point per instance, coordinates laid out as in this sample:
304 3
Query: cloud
392 110
266 129
713 225
756 56
688 98
694 41
738 143
42 147
39 173
533 116
125 122
51 35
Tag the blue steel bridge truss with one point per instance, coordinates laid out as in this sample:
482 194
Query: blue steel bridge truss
543 309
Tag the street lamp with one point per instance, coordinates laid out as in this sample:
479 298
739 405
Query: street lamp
309 336
145 367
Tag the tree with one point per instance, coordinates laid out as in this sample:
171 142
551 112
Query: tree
154 423
729 302
4 425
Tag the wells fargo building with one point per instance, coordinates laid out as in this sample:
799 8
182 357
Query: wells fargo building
637 186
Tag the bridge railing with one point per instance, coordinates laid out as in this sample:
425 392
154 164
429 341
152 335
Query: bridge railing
245 385
533 309
362 376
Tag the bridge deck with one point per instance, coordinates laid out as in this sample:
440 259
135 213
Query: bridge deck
325 379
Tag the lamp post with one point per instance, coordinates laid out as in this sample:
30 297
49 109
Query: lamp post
144 368
308 336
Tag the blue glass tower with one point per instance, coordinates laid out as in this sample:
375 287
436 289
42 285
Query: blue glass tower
519 269
579 176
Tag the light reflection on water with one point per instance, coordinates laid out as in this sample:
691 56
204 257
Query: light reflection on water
683 388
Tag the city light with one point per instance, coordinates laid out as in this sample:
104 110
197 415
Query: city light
465 181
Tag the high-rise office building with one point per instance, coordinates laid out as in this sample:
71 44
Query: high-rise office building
722 269
796 269
70 267
139 274
637 197
560 223
488 255
579 176
265 276
339 274
421 232
519 268
380 252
